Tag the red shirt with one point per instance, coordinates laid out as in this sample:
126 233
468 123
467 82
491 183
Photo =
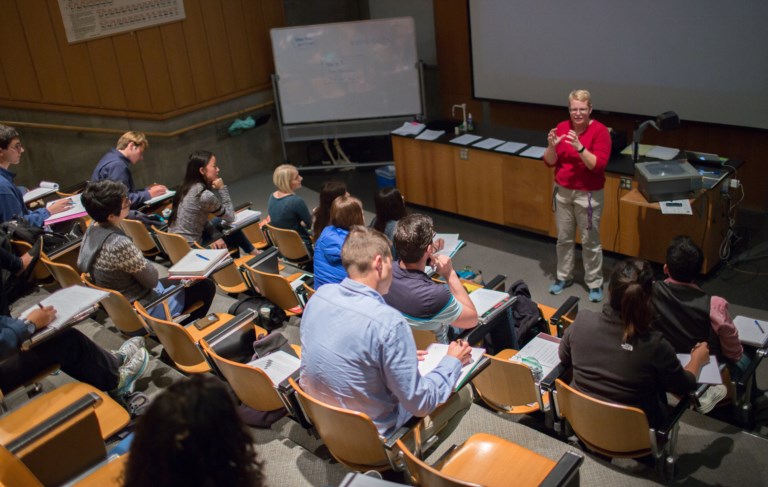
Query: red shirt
570 171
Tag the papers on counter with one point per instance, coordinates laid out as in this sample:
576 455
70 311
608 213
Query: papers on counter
488 143
752 331
430 134
510 147
676 207
710 373
410 128
534 151
46 188
663 153
465 139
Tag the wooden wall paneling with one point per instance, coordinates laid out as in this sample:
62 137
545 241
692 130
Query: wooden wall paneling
527 189
131 65
441 175
259 46
4 91
77 63
44 51
20 71
479 185
158 80
411 170
609 220
106 71
177 59
197 49
218 47
239 44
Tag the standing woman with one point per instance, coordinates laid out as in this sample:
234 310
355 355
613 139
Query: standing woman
321 215
578 149
617 357
286 209
202 193
346 211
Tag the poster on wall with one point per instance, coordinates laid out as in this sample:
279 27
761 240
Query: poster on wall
89 19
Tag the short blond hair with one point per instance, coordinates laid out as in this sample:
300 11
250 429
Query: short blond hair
580 95
283 175
138 139
361 246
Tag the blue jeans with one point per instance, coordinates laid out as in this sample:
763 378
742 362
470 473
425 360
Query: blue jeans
235 240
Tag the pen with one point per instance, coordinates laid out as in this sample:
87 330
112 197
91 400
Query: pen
202 257
41 307
760 327
673 204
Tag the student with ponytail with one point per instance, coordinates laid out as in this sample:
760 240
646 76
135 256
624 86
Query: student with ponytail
617 357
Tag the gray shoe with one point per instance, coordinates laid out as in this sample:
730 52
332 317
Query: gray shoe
130 371
713 395
130 348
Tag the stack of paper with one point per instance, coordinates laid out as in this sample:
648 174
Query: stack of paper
534 151
663 153
510 147
243 218
76 210
277 365
488 143
544 348
430 134
70 303
465 139
198 263
409 128
46 188
710 373
435 354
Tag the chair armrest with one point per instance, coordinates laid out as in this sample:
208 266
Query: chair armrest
548 382
389 442
243 206
748 374
674 416
565 470
568 309
167 294
496 282
89 400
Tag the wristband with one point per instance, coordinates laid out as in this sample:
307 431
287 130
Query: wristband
581 150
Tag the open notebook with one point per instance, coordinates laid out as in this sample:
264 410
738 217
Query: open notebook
436 352
198 263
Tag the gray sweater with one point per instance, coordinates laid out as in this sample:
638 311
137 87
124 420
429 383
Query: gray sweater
192 214
117 264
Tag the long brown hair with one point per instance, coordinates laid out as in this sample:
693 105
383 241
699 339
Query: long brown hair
346 211
322 214
630 290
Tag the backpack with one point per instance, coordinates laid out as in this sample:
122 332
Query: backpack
529 321
268 315
11 285
21 230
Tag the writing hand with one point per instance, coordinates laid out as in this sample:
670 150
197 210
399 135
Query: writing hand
60 205
461 350
421 355
156 190
41 317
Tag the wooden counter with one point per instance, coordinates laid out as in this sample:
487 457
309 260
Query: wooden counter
517 192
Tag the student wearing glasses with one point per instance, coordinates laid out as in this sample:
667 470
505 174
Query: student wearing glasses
578 149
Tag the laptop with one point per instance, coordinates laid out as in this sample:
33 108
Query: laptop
703 159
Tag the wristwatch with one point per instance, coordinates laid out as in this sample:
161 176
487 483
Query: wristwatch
581 150
31 327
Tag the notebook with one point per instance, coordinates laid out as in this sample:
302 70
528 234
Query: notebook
46 188
198 263
436 352
751 331
489 303
244 218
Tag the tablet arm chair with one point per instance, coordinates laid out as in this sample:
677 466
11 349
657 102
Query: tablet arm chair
508 386
141 237
290 245
490 461
63 274
616 430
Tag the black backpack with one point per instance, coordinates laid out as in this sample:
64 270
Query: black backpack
529 321
12 287
268 315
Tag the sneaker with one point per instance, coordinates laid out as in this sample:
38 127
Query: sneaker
130 371
559 285
596 294
713 395
130 348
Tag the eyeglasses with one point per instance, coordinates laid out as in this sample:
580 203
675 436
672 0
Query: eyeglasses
578 110
17 147
126 204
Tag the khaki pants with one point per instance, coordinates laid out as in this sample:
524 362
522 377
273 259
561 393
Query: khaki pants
572 208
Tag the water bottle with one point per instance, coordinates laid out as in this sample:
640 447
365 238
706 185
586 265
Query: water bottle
470 125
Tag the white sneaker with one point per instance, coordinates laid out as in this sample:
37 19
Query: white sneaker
130 371
713 395
130 348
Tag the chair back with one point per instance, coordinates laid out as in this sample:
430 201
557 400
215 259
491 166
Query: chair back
274 287
350 436
40 272
65 275
610 429
250 384
423 338
177 342
424 475
13 472
174 245
140 236
120 311
508 386
255 234
289 243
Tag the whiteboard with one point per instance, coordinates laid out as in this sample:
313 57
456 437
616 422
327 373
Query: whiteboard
347 71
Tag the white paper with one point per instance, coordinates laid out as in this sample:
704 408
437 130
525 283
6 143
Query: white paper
749 331
75 209
430 134
543 348
436 352
277 365
452 243
46 188
534 151
710 373
486 299
663 153
488 143
510 147
465 139
676 207
156 199
409 128
70 302
198 262
244 216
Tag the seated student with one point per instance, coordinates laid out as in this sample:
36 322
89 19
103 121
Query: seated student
203 193
321 216
617 357
114 262
11 197
75 353
444 309
686 314
390 208
359 354
191 435
286 209
346 211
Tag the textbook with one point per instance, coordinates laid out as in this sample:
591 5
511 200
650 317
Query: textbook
544 348
489 303
751 331
76 210
243 218
162 197
46 188
436 352
277 365
198 263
